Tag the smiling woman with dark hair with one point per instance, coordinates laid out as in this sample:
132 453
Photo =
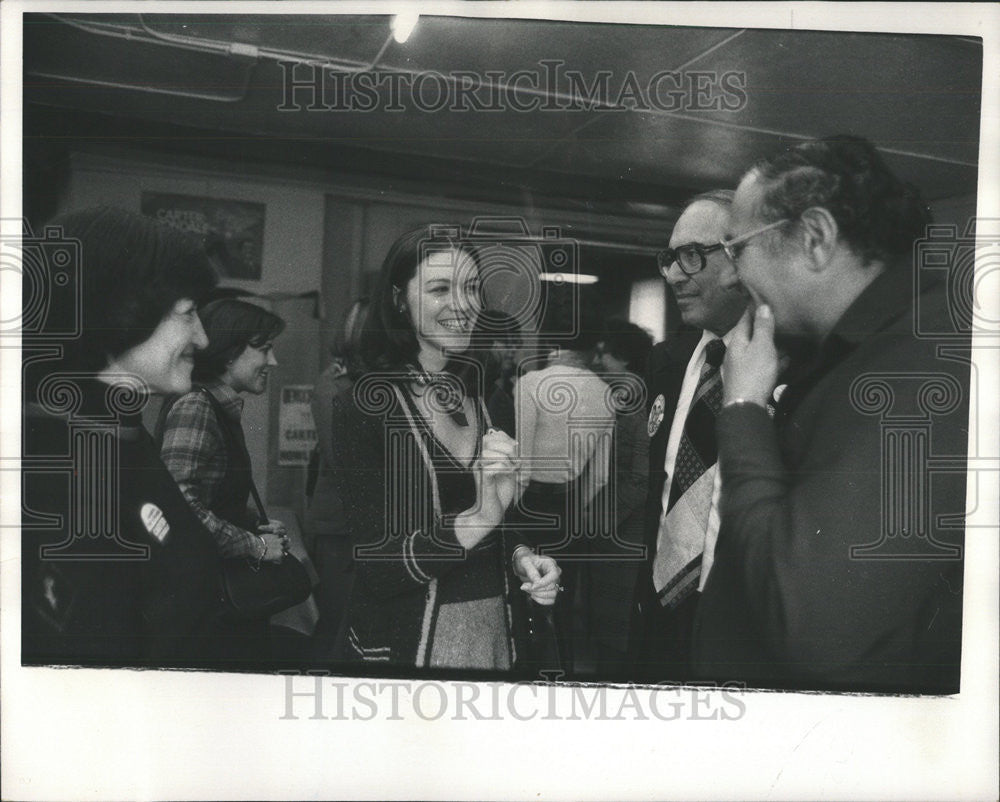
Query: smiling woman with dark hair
116 568
204 448
424 478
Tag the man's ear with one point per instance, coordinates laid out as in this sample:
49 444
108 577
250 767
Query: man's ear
819 231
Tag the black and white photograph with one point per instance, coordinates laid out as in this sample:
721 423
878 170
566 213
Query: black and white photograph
572 400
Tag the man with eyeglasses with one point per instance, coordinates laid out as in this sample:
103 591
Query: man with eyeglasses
838 564
684 390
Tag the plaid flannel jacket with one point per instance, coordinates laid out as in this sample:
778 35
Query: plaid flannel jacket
194 452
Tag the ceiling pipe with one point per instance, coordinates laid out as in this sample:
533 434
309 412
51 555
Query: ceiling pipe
239 49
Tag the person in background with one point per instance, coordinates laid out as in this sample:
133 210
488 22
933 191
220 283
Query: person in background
685 393
129 578
615 555
424 479
204 448
839 561
564 427
325 520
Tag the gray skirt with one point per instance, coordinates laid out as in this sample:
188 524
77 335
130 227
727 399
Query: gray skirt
472 634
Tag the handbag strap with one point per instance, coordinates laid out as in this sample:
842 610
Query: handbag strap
237 437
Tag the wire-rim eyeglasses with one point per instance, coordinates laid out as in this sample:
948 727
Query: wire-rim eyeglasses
734 247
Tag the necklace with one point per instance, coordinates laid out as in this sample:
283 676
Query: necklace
445 393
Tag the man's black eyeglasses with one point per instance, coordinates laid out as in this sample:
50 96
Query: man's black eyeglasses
690 258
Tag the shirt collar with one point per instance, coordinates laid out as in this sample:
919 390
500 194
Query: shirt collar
706 338
232 402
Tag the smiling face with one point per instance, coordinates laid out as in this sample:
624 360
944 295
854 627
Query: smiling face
765 265
248 372
713 298
443 299
164 361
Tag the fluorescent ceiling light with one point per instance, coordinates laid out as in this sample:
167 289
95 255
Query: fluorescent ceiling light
403 25
568 278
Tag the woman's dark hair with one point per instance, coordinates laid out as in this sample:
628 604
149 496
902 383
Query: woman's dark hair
231 326
628 342
387 340
126 273
347 341
878 215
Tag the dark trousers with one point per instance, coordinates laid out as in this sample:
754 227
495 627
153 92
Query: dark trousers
335 566
660 637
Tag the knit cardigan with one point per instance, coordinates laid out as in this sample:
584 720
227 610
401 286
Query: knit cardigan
404 549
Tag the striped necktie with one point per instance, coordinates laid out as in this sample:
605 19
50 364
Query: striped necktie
681 541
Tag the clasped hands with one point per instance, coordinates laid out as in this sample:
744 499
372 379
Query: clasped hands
276 542
539 574
497 483
496 474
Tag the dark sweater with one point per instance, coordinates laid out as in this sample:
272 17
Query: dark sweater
144 591
407 558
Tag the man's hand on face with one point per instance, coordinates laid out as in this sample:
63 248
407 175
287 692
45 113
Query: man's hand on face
750 371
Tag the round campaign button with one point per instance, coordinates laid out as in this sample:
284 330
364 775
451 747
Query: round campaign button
154 521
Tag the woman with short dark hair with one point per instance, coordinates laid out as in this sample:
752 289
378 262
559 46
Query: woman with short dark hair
204 448
116 568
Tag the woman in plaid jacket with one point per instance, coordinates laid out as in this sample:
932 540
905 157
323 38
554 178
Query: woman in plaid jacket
204 449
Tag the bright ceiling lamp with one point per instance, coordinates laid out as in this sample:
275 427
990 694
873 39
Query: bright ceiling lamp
403 24
568 278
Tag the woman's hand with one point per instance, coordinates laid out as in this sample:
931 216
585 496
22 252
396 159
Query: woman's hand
540 575
496 481
275 545
276 528
496 476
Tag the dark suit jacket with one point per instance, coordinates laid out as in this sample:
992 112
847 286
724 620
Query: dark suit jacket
837 566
